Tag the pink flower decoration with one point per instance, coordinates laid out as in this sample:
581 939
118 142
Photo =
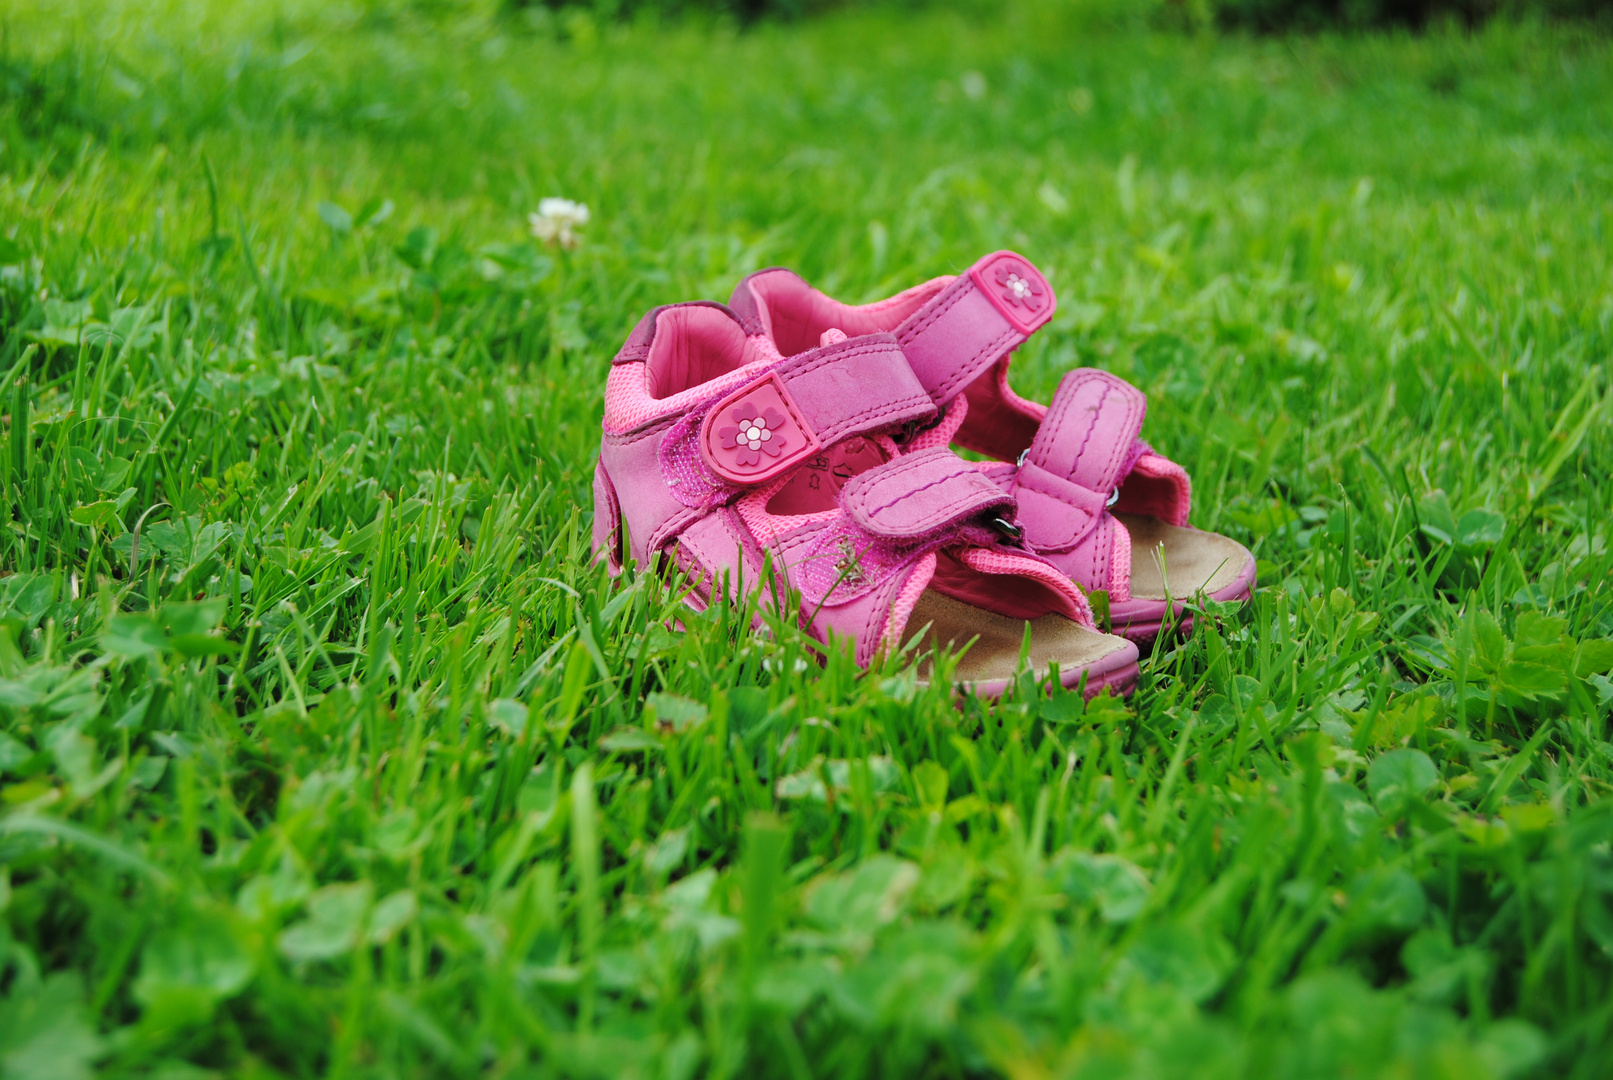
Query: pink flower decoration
756 433
1019 287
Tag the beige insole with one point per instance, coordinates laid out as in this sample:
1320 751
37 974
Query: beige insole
995 655
1195 561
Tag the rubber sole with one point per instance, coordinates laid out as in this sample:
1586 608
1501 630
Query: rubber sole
1116 673
1141 621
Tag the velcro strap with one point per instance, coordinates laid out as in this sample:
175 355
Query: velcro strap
981 316
921 494
1055 513
1089 436
810 401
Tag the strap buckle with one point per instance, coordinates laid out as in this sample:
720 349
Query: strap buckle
1011 532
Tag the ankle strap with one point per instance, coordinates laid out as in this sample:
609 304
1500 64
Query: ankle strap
982 315
807 402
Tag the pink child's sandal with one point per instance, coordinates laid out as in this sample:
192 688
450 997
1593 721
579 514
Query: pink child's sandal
1093 498
722 454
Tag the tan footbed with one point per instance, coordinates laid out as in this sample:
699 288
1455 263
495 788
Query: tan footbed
997 639
1194 561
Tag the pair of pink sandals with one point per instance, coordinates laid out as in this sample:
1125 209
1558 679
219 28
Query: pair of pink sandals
791 430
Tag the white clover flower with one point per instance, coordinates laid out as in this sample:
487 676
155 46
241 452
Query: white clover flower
557 220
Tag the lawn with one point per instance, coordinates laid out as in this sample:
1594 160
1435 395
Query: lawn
327 751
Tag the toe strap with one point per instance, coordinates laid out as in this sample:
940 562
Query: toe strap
921 495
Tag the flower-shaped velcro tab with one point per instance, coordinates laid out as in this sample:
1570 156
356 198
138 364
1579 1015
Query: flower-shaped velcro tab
757 433
1020 287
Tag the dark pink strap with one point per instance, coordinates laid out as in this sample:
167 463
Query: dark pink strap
921 494
810 401
1086 446
981 316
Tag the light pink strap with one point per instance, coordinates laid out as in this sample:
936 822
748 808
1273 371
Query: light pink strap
920 495
982 315
1084 449
1090 433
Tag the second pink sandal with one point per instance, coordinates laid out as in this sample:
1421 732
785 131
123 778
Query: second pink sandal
1092 497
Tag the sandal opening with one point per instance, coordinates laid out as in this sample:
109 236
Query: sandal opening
1179 562
694 345
814 488
796 315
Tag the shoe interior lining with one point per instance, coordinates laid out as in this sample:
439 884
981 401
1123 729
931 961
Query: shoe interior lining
815 486
1194 561
694 345
994 654
797 314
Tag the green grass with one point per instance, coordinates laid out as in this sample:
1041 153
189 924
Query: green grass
327 752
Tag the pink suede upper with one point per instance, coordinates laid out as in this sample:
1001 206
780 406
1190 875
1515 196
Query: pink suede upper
920 495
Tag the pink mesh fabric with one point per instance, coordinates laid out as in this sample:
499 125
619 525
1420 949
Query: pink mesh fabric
766 526
906 600
942 434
